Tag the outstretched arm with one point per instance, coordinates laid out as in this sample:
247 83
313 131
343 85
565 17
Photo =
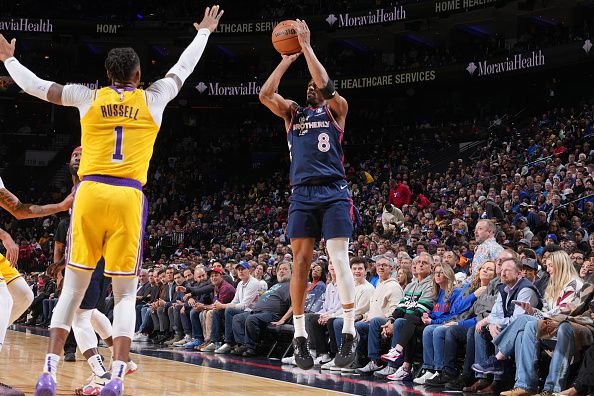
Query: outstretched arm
25 78
20 210
268 96
337 103
191 55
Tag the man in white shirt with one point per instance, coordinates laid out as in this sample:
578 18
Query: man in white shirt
246 295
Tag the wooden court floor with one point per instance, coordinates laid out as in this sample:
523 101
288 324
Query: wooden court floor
22 356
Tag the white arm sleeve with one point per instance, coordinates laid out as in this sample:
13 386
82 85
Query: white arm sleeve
77 96
26 79
164 90
1 183
191 55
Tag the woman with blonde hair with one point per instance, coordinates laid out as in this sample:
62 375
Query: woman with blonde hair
561 296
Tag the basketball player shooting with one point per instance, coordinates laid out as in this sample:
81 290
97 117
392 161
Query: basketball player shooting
119 126
320 202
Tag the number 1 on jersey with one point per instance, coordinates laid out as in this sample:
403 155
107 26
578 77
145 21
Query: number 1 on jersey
119 140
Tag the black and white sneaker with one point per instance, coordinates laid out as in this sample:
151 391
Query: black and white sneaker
347 352
303 358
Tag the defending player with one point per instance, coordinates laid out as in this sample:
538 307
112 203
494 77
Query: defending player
119 126
88 320
321 204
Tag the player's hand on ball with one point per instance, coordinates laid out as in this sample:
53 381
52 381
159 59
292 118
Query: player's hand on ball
211 19
303 35
6 48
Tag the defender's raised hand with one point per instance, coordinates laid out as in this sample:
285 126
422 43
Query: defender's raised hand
211 19
6 48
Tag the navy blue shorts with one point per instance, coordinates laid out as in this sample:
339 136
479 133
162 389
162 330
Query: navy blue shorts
97 289
321 211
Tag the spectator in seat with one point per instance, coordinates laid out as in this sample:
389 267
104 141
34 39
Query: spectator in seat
143 294
224 293
173 312
147 308
384 299
392 219
159 308
513 288
488 249
416 300
449 303
246 296
316 288
363 294
316 323
444 297
564 293
274 306
460 330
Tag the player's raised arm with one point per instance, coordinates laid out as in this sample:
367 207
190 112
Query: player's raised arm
191 55
268 96
337 103
20 210
25 78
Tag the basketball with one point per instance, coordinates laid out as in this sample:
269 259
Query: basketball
284 38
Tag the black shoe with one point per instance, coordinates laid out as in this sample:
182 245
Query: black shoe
249 352
303 358
347 352
69 357
440 380
458 383
239 350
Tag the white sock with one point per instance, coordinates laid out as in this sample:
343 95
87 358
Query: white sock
51 365
118 369
5 309
96 364
349 321
299 325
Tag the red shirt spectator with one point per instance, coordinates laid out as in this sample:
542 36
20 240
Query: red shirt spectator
422 202
400 195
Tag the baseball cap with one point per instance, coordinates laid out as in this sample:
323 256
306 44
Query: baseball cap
524 241
482 198
530 263
522 218
524 204
217 270
243 264
552 236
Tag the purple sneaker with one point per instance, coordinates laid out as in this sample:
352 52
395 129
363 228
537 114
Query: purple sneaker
46 386
115 387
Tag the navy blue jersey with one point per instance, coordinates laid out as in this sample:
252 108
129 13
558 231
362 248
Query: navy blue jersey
315 147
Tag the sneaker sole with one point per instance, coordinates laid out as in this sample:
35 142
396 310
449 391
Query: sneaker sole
45 391
304 364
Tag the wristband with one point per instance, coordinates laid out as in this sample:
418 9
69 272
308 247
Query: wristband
328 91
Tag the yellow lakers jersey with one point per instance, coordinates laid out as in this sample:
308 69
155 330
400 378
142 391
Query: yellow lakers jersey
117 135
